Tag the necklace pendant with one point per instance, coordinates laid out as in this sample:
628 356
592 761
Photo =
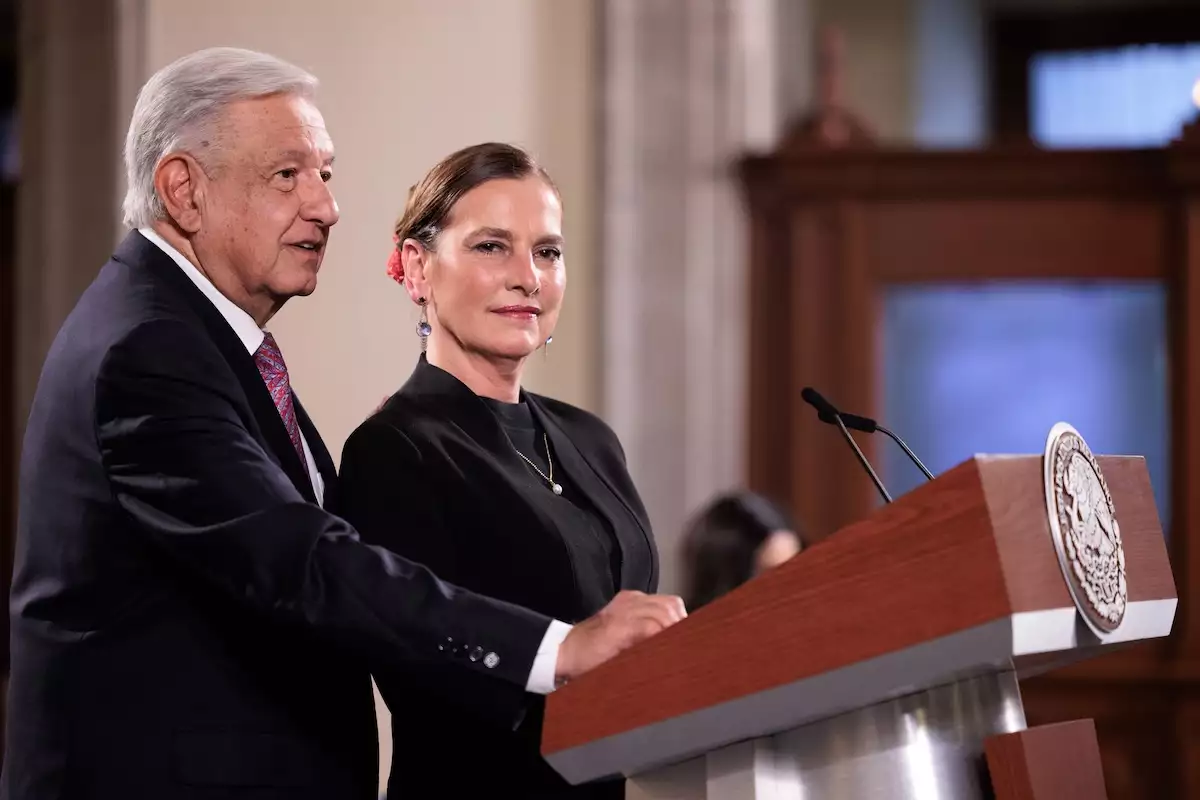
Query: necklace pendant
558 488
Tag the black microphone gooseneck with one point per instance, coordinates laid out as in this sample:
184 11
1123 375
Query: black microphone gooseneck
824 407
868 425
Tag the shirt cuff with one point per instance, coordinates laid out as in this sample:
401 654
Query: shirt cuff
545 663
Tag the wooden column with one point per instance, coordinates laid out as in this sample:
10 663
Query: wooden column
1185 463
1185 395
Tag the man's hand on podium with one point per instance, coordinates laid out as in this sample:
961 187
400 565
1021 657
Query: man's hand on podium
628 619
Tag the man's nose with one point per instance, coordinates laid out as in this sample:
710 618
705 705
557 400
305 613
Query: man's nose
320 206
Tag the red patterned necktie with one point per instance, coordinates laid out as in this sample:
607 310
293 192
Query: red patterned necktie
270 365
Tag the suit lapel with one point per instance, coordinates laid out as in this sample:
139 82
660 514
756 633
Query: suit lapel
590 480
137 251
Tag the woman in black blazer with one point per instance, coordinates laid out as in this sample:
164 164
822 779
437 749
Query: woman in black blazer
514 495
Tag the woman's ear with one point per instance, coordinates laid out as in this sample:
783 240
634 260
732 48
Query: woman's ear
415 258
779 546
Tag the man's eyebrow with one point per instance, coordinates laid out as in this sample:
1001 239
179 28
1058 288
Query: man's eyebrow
298 155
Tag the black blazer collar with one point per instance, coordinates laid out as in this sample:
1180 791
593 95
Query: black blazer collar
445 395
138 252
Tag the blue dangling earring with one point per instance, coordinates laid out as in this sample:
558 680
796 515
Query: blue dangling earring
423 326
546 346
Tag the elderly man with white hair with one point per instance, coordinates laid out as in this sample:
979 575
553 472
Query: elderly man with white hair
187 619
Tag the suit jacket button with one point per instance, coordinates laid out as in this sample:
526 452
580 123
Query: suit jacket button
491 660
476 653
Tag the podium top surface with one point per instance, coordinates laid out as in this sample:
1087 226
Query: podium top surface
958 577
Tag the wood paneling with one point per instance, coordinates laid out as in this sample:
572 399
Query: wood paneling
1028 239
1185 460
770 340
1024 541
1138 751
791 179
837 227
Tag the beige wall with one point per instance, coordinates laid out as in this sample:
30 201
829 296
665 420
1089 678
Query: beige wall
405 82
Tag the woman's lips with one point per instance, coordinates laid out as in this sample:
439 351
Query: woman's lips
518 312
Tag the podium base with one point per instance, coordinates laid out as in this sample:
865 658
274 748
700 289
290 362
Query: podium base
1050 762
914 747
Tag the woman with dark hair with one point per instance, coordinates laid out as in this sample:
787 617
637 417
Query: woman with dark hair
516 495
735 538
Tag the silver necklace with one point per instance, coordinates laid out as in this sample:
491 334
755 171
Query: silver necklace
557 487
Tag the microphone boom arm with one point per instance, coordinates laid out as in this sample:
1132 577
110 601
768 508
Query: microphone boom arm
904 447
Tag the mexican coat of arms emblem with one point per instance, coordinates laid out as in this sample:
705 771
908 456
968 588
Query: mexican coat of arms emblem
1083 524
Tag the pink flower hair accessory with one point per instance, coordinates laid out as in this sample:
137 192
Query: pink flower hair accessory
395 266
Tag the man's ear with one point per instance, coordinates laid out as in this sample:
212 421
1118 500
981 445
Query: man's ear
179 182
415 259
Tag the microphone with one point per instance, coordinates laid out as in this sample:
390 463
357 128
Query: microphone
868 425
825 409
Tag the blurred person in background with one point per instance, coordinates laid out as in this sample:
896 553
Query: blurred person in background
731 540
497 489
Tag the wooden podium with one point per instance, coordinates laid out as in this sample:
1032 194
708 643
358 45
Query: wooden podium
882 662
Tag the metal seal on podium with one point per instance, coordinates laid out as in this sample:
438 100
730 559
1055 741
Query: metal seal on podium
1083 524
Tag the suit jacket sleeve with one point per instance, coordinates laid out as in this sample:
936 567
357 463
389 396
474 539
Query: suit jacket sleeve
384 493
202 490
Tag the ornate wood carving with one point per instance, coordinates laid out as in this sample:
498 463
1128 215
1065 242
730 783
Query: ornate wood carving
831 123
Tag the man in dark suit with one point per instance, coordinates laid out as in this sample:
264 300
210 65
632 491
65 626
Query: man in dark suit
187 621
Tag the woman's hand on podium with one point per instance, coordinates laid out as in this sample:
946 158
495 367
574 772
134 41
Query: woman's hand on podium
629 618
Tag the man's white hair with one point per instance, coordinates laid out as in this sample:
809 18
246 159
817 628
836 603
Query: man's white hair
180 106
